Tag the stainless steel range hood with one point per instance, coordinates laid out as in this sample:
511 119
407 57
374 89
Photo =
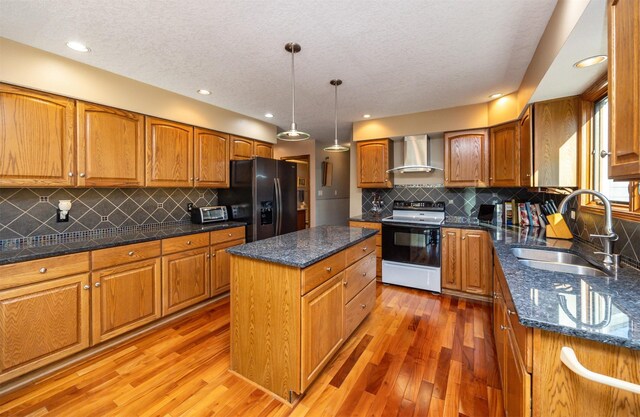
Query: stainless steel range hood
416 155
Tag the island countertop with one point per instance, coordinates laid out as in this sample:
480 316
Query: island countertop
304 247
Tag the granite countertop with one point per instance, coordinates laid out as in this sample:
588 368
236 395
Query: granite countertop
368 217
9 255
304 247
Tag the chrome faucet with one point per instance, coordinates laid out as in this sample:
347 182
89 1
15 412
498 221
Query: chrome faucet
610 259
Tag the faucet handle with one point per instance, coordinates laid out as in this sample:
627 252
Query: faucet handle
610 258
611 236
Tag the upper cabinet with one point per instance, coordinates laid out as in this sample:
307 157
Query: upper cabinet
110 147
526 151
624 89
36 139
555 130
169 153
466 158
373 160
211 158
244 148
505 155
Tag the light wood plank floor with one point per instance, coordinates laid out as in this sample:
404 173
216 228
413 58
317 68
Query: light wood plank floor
416 355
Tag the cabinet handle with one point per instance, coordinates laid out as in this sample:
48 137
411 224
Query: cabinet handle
511 313
82 175
503 327
70 174
131 253
43 270
188 242
328 269
363 306
569 359
344 283
364 249
97 284
86 287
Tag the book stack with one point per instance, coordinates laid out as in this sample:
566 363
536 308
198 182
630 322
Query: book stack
528 214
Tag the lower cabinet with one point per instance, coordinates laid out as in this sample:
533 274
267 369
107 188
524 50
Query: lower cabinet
185 279
466 261
322 334
378 241
42 322
219 266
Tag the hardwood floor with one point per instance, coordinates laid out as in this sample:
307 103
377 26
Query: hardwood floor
416 355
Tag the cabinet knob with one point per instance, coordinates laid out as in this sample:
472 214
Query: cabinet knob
86 287
70 174
528 175
229 234
503 327
197 178
446 179
131 253
364 249
82 175
363 306
464 237
191 179
511 313
208 256
43 270
213 255
328 269
97 284
188 242
344 283
364 274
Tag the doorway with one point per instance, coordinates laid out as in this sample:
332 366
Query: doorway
303 179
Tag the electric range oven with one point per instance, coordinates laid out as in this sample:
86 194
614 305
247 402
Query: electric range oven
411 245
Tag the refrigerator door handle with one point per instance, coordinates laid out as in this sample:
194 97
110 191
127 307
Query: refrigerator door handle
278 208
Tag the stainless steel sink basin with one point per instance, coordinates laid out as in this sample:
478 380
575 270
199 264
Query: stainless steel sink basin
552 260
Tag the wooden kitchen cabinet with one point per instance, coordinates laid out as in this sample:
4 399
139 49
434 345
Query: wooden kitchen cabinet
185 279
466 261
245 148
322 332
125 293
42 322
505 155
110 147
526 149
211 159
262 149
624 89
219 265
555 129
378 227
373 159
37 142
169 153
466 158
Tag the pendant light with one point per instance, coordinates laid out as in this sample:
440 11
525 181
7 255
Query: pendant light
335 147
293 134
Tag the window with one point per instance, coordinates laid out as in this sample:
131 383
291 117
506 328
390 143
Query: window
616 191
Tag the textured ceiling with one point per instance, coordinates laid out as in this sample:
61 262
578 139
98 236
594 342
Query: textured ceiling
394 57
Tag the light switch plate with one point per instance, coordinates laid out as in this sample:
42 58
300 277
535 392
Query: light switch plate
319 192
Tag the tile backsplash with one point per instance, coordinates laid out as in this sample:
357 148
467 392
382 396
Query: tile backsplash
28 212
465 202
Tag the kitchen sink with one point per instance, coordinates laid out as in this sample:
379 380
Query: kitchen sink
552 260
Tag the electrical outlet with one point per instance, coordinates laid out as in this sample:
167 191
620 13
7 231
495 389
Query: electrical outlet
335 192
189 207
573 214
319 192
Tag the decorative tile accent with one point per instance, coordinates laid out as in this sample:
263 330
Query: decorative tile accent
27 212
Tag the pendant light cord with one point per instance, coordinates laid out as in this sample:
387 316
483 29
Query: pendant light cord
336 116
293 86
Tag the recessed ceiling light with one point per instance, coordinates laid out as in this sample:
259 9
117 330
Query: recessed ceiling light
78 46
592 60
496 95
366 116
268 115
204 92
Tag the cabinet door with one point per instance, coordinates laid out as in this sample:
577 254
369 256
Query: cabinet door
42 323
526 145
451 260
373 159
185 279
36 139
124 298
505 155
624 89
476 262
322 328
211 159
517 392
220 273
262 149
110 147
241 148
169 153
466 158
499 329
556 143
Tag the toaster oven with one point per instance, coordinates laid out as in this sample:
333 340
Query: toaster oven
210 214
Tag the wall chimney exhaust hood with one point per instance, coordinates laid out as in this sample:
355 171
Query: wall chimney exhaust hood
416 155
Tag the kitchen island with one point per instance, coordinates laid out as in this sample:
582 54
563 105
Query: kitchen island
295 299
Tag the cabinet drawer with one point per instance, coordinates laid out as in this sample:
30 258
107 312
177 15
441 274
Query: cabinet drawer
106 258
321 271
366 225
359 275
359 250
182 243
220 236
357 309
29 272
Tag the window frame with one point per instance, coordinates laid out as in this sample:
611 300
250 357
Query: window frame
631 211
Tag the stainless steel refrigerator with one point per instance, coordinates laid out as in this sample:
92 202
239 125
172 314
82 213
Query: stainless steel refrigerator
262 194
